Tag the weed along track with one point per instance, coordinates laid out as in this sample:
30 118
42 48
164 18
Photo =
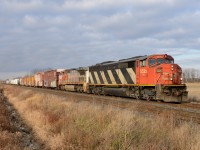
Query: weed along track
184 111
14 133
66 120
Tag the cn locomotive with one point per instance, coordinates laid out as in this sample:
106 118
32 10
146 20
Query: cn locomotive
153 77
142 77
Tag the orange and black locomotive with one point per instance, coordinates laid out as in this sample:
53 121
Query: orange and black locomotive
143 77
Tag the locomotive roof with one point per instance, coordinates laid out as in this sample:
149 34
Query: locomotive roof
122 60
107 62
133 58
80 68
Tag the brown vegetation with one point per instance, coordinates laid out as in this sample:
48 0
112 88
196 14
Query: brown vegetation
8 134
63 124
194 91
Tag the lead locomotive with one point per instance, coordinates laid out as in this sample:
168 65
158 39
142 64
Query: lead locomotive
143 77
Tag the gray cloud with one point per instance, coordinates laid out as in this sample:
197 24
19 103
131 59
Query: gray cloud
72 33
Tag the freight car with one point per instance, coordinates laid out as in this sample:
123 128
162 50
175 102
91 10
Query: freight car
13 81
39 79
142 77
31 80
23 81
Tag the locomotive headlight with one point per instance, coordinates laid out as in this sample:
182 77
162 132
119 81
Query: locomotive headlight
171 79
172 69
181 79
172 66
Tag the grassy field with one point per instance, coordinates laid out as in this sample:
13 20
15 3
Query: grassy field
63 124
194 91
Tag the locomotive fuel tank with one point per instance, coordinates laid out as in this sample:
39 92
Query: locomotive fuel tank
124 92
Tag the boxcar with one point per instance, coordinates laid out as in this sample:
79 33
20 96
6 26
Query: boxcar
39 79
23 81
26 83
30 81
14 81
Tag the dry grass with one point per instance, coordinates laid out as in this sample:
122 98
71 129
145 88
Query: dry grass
9 138
194 91
69 125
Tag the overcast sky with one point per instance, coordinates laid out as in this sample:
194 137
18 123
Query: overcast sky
37 34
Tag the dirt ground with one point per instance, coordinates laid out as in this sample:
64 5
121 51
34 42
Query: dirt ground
194 91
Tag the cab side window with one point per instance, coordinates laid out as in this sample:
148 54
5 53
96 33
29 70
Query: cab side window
152 62
143 63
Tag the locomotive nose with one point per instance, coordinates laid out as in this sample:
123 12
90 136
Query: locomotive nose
176 72
169 74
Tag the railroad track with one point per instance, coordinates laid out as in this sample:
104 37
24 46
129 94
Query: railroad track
181 112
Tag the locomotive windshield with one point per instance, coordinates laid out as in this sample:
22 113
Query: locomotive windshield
153 61
164 61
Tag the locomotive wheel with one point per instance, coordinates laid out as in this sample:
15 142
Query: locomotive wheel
137 97
148 98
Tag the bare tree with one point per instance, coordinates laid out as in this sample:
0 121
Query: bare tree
34 71
191 75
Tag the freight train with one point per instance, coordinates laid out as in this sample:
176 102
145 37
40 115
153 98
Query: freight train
153 77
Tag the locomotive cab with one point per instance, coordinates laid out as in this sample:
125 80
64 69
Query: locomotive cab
160 72
164 70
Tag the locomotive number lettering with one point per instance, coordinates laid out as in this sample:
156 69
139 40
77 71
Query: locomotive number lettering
143 71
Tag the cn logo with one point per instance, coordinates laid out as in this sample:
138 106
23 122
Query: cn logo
143 71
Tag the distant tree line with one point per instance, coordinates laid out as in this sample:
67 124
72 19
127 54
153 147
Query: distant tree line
34 71
191 75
